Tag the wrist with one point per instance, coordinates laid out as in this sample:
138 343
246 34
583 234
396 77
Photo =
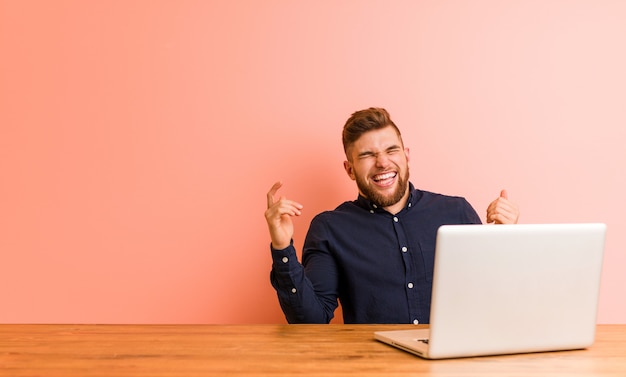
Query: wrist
281 245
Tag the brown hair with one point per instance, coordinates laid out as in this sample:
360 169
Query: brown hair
363 121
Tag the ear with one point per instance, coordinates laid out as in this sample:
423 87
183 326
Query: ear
348 168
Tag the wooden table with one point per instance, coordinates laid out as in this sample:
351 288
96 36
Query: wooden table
270 350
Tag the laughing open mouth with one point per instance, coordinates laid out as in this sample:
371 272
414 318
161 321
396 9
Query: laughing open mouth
385 178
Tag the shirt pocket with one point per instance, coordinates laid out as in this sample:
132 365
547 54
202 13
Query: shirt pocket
427 252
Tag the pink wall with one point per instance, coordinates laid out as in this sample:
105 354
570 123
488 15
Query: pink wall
138 138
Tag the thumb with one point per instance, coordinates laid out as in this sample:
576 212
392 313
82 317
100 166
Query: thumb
504 194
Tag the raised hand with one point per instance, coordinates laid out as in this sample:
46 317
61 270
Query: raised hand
278 216
502 211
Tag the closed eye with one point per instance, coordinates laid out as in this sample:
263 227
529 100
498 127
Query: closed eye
365 155
369 154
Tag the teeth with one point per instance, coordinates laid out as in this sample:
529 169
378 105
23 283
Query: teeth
384 176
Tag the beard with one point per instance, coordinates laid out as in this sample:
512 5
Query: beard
380 199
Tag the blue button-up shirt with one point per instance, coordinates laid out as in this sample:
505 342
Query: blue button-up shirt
379 265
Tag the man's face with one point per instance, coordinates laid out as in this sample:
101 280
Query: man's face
378 162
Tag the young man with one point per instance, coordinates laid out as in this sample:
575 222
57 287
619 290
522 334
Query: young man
375 254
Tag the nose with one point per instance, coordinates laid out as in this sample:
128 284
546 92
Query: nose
382 160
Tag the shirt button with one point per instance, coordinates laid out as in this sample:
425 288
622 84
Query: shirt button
395 219
404 249
285 259
416 322
293 290
371 211
374 205
410 285
409 205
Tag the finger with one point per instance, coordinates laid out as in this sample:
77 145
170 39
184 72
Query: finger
284 207
504 214
272 192
501 201
504 194
495 217
493 206
502 218
290 207
499 207
502 205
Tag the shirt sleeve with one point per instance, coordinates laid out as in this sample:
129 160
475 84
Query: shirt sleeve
296 293
469 214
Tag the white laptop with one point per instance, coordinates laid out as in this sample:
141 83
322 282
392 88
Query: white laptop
502 289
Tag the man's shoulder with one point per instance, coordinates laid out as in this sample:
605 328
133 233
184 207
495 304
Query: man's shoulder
343 208
429 196
346 208
451 209
432 201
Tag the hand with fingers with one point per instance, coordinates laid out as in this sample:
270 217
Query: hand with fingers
278 216
502 210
